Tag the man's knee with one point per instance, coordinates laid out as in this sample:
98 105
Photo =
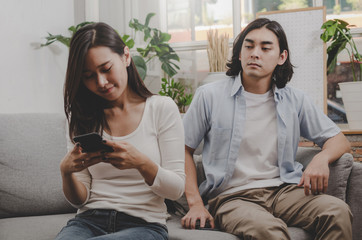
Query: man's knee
335 220
337 210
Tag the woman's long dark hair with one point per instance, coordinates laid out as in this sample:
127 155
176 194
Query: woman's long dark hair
84 109
282 73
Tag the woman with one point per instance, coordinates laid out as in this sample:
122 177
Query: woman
119 194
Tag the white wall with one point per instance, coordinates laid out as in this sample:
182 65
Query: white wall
32 78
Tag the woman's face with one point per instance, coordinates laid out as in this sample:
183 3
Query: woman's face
105 72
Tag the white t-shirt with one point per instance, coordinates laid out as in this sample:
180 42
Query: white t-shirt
257 164
160 136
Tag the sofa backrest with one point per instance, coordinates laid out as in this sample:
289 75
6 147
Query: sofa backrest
31 148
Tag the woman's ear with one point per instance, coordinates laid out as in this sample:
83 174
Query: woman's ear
127 56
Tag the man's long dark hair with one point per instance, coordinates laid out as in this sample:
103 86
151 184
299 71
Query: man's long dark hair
84 109
282 73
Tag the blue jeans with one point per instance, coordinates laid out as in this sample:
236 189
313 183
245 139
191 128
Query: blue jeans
99 224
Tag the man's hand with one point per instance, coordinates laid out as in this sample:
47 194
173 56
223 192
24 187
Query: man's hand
197 212
316 175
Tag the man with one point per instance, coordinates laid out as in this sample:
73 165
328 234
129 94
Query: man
251 124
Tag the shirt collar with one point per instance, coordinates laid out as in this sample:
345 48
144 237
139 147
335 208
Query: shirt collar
236 85
278 96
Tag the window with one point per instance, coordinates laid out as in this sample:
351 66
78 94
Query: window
189 20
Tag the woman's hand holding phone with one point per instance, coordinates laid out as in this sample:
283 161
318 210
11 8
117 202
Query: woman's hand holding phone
92 142
92 149
87 151
77 160
126 156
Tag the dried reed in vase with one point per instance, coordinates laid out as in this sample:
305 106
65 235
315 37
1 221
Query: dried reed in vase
217 50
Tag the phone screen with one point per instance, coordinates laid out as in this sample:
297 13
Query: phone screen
92 142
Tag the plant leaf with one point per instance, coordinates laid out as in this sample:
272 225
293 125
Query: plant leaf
169 70
165 37
129 43
148 18
141 66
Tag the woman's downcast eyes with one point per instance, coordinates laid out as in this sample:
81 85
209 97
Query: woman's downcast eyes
107 69
89 75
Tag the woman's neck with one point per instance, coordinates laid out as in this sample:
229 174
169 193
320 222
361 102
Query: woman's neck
124 117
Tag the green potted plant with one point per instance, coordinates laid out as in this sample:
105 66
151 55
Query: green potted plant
338 34
176 91
156 46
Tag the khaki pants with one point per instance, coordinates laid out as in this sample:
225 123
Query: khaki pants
265 213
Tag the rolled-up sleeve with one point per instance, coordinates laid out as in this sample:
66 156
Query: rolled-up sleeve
314 124
195 121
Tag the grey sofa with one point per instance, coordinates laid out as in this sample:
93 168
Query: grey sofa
32 205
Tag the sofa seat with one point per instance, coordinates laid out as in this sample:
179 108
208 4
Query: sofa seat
46 227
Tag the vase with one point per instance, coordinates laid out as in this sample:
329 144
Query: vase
212 77
352 100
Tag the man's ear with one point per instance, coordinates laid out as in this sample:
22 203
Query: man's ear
283 57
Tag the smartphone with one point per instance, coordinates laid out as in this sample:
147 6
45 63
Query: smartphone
92 142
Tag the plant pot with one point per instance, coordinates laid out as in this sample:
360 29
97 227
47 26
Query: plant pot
212 77
352 100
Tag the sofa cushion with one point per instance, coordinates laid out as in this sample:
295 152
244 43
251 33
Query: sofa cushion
34 227
339 170
176 232
31 148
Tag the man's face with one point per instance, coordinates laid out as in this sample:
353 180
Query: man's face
260 54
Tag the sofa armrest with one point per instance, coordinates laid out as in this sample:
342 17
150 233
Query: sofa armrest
354 198
306 154
339 170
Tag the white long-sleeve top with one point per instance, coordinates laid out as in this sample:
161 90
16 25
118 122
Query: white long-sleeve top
160 136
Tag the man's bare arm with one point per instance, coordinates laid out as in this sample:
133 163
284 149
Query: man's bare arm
194 200
316 175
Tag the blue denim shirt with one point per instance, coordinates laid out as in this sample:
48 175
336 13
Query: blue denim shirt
217 115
